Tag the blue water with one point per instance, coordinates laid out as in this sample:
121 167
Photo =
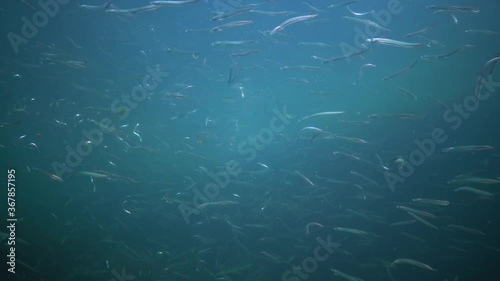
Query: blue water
144 150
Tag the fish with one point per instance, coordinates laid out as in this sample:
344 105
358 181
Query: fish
467 148
473 180
481 31
174 3
487 69
93 174
233 43
320 114
475 190
343 275
368 23
308 226
407 92
395 43
291 21
231 13
466 229
415 211
51 176
304 177
217 203
316 44
354 231
431 201
423 221
412 262
355 54
406 69
421 31
443 56
406 116
452 9
231 25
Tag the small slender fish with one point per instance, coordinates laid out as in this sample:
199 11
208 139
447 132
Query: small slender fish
263 165
475 191
395 43
34 145
315 44
487 69
313 129
431 201
308 226
231 25
368 23
406 116
467 148
244 54
421 31
174 3
301 67
473 180
60 122
404 70
359 53
438 101
304 177
481 31
344 275
413 237
273 257
412 262
355 140
217 203
365 178
134 10
90 7
380 162
354 231
290 21
233 43
360 72
135 132
73 43
443 56
360 14
267 13
421 220
466 229
402 223
313 8
452 9
341 4
125 210
415 211
93 174
51 176
320 114
407 92
231 13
